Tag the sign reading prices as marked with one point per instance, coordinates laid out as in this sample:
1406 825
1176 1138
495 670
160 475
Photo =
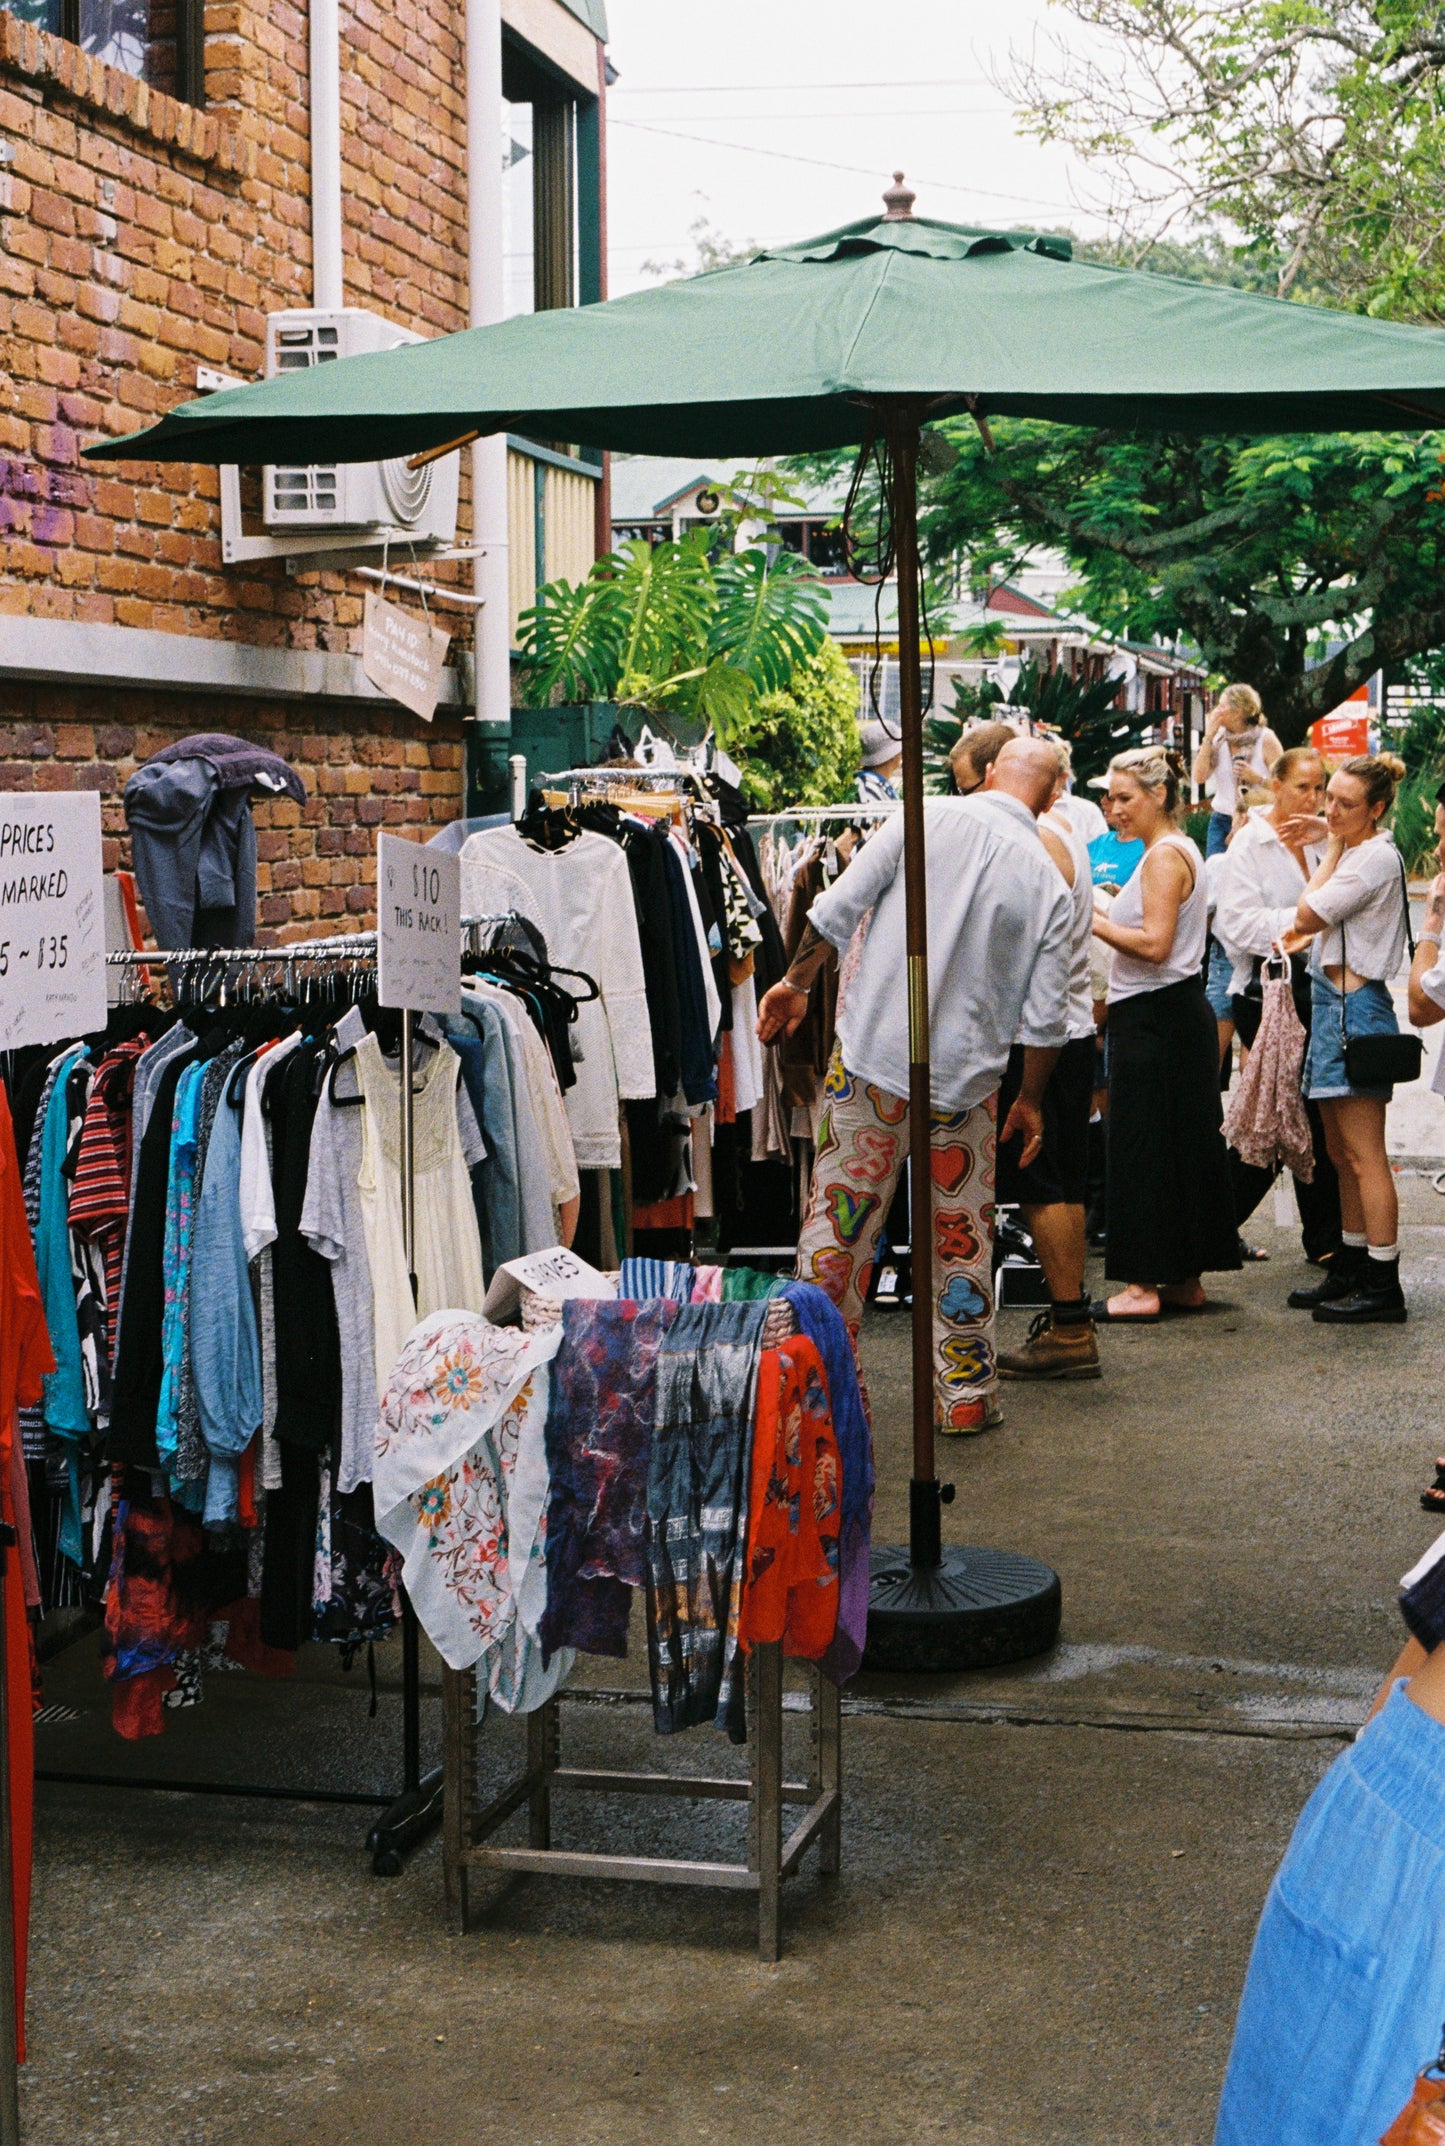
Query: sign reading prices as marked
52 918
418 926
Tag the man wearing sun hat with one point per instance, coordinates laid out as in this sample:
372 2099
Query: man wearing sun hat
881 755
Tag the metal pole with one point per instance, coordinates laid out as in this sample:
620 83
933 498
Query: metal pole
419 1806
408 1153
410 1638
9 2023
924 1518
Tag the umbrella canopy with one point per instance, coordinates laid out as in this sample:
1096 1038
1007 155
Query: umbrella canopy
784 354
861 334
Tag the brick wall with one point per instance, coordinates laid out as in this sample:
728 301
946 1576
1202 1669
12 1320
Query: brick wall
139 238
317 861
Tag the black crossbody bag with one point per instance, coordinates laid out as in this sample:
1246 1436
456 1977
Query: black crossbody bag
1380 1061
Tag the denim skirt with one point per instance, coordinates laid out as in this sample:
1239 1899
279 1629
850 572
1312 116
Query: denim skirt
1218 982
1368 1012
1345 1995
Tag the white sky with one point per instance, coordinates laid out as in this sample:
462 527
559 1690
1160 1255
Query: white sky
869 85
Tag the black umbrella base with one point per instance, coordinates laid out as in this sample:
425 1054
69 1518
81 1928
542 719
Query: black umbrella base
976 1609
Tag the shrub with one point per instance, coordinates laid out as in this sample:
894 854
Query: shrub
799 744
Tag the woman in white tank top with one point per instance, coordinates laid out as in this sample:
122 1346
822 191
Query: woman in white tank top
1237 742
1169 1209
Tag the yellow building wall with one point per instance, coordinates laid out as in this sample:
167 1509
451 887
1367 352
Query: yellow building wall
567 527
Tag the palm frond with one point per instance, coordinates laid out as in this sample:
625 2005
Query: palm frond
770 617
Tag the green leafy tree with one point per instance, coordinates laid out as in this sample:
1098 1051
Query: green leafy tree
1310 132
798 744
669 629
1300 565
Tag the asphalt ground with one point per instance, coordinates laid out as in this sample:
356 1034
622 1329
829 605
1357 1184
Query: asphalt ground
1050 1875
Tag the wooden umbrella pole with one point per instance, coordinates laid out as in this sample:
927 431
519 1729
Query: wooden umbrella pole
924 1530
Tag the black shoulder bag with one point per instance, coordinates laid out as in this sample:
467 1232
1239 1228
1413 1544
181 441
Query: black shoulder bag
1380 1061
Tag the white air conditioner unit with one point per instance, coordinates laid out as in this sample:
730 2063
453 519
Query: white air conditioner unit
385 499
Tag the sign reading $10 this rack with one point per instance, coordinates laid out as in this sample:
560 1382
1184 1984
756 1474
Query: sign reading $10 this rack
52 918
418 926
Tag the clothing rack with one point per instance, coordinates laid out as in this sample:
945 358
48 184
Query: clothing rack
407 1817
823 815
625 777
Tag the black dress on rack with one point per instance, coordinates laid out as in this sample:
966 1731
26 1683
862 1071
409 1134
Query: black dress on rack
308 1362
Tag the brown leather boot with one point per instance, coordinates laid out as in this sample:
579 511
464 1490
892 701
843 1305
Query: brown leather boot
1053 1352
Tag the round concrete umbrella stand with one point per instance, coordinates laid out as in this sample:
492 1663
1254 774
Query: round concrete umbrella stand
974 1609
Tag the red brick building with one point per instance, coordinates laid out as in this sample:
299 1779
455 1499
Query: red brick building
157 207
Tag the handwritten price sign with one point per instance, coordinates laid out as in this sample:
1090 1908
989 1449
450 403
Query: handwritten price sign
52 918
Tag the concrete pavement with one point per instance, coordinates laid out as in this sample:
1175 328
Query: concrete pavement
1050 1876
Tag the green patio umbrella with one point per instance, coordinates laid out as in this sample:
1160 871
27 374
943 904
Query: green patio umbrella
863 334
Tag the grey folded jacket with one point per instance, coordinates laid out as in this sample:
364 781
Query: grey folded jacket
195 854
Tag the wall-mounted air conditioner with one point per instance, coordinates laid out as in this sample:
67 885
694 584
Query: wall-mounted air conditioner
382 500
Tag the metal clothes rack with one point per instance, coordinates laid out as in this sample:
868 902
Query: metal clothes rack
823 815
630 778
771 1858
407 1817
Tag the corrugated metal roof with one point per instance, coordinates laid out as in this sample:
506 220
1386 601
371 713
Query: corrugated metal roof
646 485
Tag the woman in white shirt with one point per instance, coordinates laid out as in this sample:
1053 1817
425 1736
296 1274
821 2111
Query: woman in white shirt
1170 1212
1263 873
1352 916
1237 742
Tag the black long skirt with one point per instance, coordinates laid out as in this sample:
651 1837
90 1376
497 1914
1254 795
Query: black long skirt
1169 1207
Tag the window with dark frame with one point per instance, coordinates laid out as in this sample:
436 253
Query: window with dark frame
162 42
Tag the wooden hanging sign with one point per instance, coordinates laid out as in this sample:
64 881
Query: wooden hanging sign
403 655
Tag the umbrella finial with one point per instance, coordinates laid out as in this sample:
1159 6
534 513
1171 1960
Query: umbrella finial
898 201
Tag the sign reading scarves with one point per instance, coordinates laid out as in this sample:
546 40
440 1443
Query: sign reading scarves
52 918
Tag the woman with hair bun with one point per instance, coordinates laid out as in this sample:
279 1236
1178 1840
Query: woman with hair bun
1168 1205
1238 746
1353 915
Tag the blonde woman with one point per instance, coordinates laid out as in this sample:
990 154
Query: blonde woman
1169 1209
1353 918
1238 745
1269 863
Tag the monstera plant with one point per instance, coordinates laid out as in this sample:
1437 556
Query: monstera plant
673 630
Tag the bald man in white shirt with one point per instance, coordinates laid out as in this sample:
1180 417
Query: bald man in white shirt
999 930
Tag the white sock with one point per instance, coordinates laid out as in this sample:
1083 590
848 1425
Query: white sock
1384 1251
1356 1239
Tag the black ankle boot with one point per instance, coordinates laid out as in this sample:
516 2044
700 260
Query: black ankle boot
1376 1299
1343 1277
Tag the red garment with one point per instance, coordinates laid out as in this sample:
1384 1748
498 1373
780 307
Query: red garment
153 1609
99 1205
794 1506
25 1357
665 1214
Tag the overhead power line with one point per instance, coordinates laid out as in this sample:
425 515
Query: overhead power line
786 89
866 171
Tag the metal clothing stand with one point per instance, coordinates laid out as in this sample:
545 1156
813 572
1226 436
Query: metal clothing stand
405 1818
824 815
771 1858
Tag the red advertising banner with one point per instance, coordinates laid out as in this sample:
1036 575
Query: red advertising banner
1344 735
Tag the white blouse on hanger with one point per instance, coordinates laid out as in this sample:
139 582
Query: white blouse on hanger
582 899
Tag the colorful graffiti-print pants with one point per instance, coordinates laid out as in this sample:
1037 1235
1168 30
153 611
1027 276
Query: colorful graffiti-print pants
861 1146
